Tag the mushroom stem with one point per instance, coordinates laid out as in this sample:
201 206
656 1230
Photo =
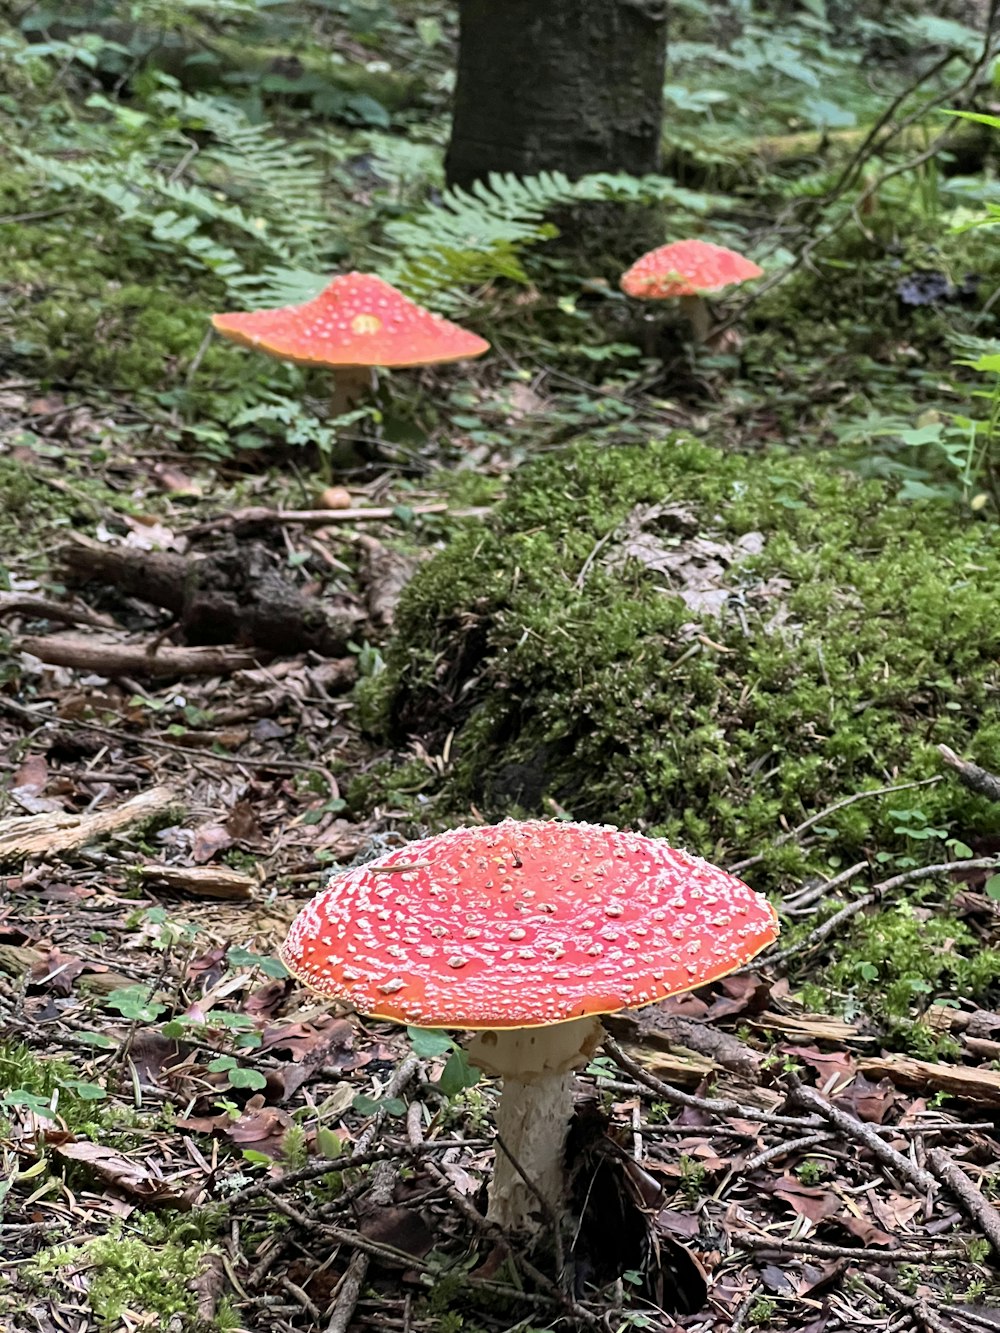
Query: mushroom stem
536 1104
696 310
350 385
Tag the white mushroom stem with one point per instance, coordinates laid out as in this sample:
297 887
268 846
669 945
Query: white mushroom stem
696 310
536 1104
350 385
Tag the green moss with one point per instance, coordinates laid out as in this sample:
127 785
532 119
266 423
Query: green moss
142 1268
904 956
860 636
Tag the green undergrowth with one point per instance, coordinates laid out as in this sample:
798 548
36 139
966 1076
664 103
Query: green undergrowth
138 1269
899 959
573 677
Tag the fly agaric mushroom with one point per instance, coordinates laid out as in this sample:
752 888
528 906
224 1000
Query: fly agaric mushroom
526 932
688 269
357 322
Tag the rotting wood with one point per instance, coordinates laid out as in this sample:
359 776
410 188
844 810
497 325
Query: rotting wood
235 595
212 881
25 836
964 1082
17 959
111 659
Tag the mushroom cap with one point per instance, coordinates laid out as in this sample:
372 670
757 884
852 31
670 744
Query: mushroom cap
522 924
357 320
686 268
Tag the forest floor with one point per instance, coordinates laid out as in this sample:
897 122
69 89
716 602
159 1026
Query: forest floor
191 1140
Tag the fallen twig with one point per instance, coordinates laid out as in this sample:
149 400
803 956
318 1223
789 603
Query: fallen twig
970 1198
833 923
25 836
977 779
108 658
752 1240
257 515
39 608
915 1306
853 1128
715 1105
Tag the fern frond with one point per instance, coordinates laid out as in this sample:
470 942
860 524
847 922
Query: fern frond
469 237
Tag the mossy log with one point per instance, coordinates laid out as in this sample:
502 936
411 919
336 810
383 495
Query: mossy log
232 596
734 160
702 645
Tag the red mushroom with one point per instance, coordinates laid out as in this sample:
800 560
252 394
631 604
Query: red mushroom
357 322
688 269
527 932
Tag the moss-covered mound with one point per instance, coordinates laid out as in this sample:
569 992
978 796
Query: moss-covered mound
706 645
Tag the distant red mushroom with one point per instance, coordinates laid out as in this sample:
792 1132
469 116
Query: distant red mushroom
526 932
357 322
688 270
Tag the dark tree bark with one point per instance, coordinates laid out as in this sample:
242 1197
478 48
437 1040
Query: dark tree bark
567 85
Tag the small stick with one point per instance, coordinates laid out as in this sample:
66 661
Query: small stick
748 1240
248 518
834 922
714 1104
853 1128
383 1185
971 775
827 811
971 1199
918 1309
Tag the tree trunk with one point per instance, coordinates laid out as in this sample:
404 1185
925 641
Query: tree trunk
567 85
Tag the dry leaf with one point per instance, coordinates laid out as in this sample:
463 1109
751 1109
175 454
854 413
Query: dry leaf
121 1173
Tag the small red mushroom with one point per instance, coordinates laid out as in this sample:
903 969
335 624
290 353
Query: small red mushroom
527 932
357 322
689 270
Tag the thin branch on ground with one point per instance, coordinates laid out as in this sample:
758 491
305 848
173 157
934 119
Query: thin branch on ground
970 1198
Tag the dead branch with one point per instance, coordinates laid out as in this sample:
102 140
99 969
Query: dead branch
751 1240
970 1198
39 608
107 658
260 515
833 923
925 1076
914 1306
853 1128
231 596
977 779
26 836
715 1105
203 881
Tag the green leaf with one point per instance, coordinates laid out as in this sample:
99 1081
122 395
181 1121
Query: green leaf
458 1074
429 1042
328 1143
88 1092
134 1002
247 1078
100 1039
365 1105
993 888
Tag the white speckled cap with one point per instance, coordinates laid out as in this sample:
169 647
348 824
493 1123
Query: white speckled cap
522 924
357 320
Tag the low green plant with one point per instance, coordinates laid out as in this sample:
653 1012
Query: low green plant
555 644
143 1267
